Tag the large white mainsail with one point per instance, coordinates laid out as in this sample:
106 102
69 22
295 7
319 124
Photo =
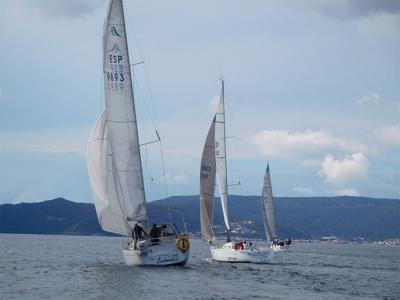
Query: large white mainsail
220 155
207 185
113 156
268 207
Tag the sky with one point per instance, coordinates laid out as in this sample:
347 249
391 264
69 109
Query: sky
312 87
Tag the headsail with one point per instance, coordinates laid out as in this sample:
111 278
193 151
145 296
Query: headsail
124 193
207 185
268 207
220 155
109 213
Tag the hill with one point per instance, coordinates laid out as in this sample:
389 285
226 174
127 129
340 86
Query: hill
308 217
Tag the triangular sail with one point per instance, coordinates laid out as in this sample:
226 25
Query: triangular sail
207 185
268 207
124 177
220 155
109 213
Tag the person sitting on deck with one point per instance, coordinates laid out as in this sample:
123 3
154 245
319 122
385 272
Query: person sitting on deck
155 233
137 233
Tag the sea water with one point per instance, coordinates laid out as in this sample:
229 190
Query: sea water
79 267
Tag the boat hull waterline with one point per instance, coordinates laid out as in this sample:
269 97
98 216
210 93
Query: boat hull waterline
228 253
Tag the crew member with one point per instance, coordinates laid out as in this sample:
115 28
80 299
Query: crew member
155 233
137 233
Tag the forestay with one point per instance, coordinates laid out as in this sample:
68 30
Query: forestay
268 207
114 162
207 185
220 155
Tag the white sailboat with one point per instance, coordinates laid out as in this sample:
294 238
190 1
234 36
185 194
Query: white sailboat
267 203
213 165
114 160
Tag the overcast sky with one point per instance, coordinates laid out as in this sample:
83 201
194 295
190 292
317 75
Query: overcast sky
311 86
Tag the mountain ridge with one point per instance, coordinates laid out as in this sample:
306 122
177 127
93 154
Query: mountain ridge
297 217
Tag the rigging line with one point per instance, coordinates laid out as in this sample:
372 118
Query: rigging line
152 188
130 20
152 103
165 179
236 164
154 124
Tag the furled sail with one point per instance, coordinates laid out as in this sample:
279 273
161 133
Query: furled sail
220 155
207 185
121 169
268 207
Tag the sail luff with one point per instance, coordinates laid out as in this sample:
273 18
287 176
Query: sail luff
268 207
207 185
220 155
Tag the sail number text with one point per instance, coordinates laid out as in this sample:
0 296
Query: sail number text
115 76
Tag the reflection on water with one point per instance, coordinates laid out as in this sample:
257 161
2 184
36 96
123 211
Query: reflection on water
72 267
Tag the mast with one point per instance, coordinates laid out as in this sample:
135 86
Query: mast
220 155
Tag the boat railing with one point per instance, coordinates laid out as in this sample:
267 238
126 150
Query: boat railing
128 242
170 213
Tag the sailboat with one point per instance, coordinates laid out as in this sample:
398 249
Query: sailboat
267 203
114 161
214 166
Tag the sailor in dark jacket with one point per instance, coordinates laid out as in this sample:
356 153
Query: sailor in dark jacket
155 233
138 233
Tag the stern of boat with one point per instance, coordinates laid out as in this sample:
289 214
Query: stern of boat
167 251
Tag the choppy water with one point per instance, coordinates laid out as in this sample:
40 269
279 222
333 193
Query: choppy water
72 267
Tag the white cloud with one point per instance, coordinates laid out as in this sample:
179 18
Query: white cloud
345 192
348 169
304 190
371 98
176 179
389 134
281 143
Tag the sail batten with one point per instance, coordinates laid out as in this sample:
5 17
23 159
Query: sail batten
268 208
119 156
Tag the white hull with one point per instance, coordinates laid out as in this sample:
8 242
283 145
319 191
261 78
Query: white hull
228 253
164 254
278 248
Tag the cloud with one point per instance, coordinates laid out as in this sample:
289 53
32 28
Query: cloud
353 9
348 169
373 16
176 179
371 98
280 143
388 134
305 190
345 192
58 9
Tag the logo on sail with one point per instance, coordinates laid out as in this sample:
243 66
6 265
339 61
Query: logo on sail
114 31
115 49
